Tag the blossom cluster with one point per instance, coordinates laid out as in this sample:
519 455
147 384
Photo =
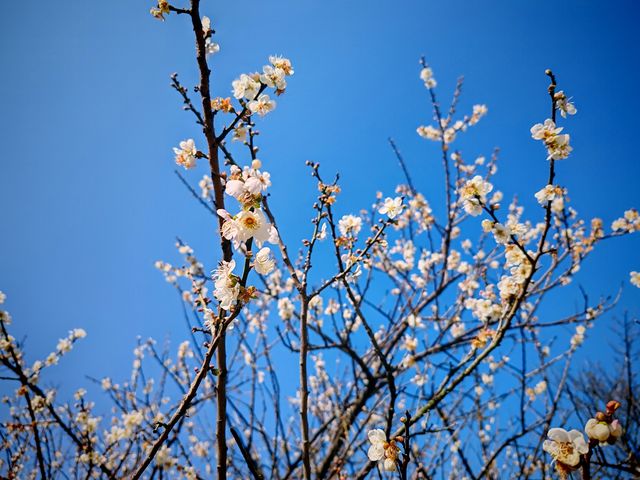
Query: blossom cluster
382 450
569 449
248 89
557 143
419 316
247 186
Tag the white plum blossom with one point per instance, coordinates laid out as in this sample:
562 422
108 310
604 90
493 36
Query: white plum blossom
378 441
239 133
501 233
245 87
349 224
391 207
273 77
206 186
415 321
186 154
578 338
227 285
281 63
211 47
285 309
381 449
547 131
565 446
474 194
247 224
630 222
540 387
563 104
262 105
206 25
557 144
479 111
263 263
322 232
77 333
549 193
429 132
410 343
64 345
250 181
426 75
635 278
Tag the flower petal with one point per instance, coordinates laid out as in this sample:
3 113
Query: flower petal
234 188
377 436
550 447
389 464
376 452
559 435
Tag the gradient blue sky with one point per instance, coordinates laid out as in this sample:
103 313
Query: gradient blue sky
89 200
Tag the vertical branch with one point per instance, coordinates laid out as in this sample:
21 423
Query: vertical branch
446 239
25 387
552 94
552 168
209 132
304 340
304 389
586 463
301 285
36 434
221 406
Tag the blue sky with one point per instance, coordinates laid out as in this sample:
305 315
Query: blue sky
89 200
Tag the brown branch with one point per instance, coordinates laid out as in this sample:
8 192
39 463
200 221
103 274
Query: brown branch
186 402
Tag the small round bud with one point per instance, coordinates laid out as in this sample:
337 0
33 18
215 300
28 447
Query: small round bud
597 430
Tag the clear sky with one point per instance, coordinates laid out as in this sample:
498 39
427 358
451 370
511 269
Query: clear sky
89 200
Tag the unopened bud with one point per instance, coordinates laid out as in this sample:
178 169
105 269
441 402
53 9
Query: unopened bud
612 406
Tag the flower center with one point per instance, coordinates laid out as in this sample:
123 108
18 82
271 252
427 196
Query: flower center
565 449
251 223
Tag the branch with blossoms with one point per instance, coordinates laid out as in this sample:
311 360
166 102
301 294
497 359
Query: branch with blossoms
299 356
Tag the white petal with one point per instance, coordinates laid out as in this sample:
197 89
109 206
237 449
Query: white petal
224 214
550 447
253 185
572 459
579 442
389 464
377 436
574 435
376 452
234 188
559 435
273 235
